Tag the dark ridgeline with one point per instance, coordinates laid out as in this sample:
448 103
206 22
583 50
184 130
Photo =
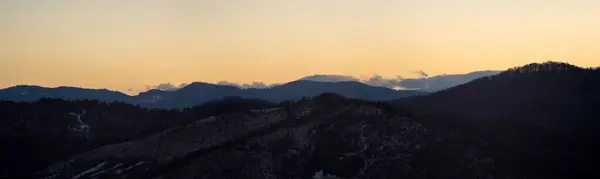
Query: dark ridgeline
198 93
442 82
34 93
542 119
535 121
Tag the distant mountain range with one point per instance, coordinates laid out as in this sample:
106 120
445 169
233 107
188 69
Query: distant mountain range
431 84
198 93
441 82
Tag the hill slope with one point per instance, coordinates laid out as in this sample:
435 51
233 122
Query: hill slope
37 134
547 94
334 137
547 113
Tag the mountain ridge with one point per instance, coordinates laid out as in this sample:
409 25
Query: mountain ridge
199 92
531 122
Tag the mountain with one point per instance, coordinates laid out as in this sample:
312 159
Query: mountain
328 78
193 94
546 113
34 134
326 136
329 136
549 91
534 121
198 93
431 84
37 134
441 82
349 89
32 93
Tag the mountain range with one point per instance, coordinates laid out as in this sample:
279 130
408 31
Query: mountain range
198 92
534 121
426 84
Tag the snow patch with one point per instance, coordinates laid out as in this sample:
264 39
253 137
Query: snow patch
264 110
129 168
91 170
206 120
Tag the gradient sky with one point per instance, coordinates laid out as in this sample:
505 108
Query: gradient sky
127 44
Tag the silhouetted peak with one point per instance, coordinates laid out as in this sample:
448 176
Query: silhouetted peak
329 78
549 66
153 91
23 87
199 84
310 82
203 85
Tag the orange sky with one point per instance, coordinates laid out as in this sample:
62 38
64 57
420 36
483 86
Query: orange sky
127 44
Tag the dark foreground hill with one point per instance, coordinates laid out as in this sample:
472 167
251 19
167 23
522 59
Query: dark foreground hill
36 134
334 137
327 135
549 95
547 113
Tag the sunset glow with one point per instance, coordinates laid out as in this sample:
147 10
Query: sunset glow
127 44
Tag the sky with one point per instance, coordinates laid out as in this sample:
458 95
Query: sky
127 45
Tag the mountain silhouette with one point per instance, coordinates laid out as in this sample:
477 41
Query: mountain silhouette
431 84
544 115
32 93
329 78
441 82
550 91
197 93
534 121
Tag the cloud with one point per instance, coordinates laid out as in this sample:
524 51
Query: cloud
226 83
421 73
377 80
255 84
166 86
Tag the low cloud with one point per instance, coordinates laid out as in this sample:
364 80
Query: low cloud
421 74
378 80
166 86
256 84
226 83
